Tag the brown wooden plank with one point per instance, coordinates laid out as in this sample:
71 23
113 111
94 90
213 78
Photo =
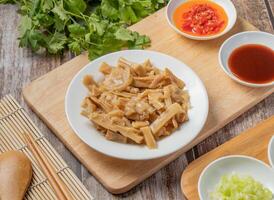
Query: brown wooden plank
255 12
270 8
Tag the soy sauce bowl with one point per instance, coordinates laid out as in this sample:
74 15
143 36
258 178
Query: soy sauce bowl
227 5
240 39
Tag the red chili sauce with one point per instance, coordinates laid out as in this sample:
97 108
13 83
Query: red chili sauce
252 63
200 18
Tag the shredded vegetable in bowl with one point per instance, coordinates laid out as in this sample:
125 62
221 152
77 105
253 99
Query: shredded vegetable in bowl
235 187
136 103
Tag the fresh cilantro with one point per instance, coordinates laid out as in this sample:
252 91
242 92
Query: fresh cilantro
60 11
124 35
25 25
96 26
75 6
56 43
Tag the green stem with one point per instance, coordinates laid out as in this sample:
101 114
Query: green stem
75 15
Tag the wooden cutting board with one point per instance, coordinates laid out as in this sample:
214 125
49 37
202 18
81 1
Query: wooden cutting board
227 100
253 142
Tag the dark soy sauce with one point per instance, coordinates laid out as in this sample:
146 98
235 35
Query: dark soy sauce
253 63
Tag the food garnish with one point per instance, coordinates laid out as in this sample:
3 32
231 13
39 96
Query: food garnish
238 187
136 103
98 27
200 18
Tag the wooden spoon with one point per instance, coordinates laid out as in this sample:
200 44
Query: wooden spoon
15 175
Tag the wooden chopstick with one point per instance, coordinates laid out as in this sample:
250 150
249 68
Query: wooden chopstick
57 184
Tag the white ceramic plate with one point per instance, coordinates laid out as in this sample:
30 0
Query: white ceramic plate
188 131
227 5
271 152
235 41
242 165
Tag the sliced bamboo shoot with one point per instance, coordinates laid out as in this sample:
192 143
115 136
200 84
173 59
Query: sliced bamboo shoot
110 135
118 80
131 133
139 124
105 68
101 104
174 79
171 111
149 138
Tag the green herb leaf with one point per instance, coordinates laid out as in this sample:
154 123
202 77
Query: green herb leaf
75 6
44 20
76 30
59 24
128 15
33 39
124 34
96 25
48 5
75 47
60 11
109 9
35 7
56 43
25 24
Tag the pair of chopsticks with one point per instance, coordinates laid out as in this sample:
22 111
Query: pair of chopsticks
61 191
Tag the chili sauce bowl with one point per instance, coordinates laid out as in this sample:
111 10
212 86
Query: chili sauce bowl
227 5
235 164
238 40
271 152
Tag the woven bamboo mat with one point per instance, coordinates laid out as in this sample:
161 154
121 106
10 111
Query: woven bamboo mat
13 122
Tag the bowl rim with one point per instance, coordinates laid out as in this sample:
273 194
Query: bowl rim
231 75
270 146
224 158
203 122
203 37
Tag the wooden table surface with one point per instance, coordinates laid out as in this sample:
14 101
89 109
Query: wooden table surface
20 66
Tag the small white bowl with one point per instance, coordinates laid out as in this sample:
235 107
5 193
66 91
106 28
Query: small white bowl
248 37
227 5
242 165
271 152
